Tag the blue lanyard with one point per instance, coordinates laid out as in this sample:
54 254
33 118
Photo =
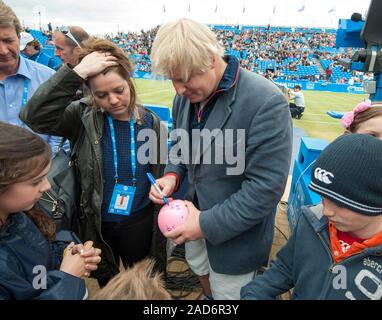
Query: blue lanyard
25 93
38 56
132 148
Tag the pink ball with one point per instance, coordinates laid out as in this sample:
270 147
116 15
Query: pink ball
172 215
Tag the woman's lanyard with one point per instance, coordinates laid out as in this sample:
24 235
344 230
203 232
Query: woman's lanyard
132 148
25 93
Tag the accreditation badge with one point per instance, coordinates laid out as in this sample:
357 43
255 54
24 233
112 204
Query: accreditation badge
122 200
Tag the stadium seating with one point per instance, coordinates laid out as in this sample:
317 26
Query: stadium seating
49 50
337 74
39 36
258 48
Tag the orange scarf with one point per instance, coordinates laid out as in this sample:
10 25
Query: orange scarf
337 253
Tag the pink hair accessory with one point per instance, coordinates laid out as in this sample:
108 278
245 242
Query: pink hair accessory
348 117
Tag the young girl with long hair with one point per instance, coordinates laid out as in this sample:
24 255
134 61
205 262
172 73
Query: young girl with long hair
35 263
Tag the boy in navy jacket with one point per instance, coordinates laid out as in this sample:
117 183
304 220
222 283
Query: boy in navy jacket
335 251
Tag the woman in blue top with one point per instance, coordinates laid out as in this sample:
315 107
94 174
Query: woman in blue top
118 142
33 261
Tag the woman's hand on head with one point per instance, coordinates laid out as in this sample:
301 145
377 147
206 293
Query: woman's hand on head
94 63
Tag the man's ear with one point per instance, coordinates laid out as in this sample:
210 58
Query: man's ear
213 63
77 50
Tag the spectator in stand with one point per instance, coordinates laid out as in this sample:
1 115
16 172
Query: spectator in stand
329 72
30 48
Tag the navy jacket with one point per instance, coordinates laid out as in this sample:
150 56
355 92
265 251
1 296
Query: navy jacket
25 254
305 263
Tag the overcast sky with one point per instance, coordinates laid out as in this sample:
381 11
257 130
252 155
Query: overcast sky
109 16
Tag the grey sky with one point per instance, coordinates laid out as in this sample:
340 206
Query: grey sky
108 16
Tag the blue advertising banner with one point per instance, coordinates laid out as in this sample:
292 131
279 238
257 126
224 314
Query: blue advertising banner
324 86
305 85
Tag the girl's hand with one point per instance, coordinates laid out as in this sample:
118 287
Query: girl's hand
90 254
73 264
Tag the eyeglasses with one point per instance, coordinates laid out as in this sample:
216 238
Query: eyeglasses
66 31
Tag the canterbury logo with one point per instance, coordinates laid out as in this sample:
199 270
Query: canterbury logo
323 175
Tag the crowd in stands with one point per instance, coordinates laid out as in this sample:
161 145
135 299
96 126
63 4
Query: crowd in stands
277 55
138 45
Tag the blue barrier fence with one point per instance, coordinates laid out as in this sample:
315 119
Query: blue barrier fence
300 195
324 86
305 85
146 75
238 28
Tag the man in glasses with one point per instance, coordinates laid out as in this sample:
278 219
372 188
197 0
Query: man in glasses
68 41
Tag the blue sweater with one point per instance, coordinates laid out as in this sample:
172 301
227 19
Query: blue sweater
122 132
305 263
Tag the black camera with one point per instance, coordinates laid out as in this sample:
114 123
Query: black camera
365 34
